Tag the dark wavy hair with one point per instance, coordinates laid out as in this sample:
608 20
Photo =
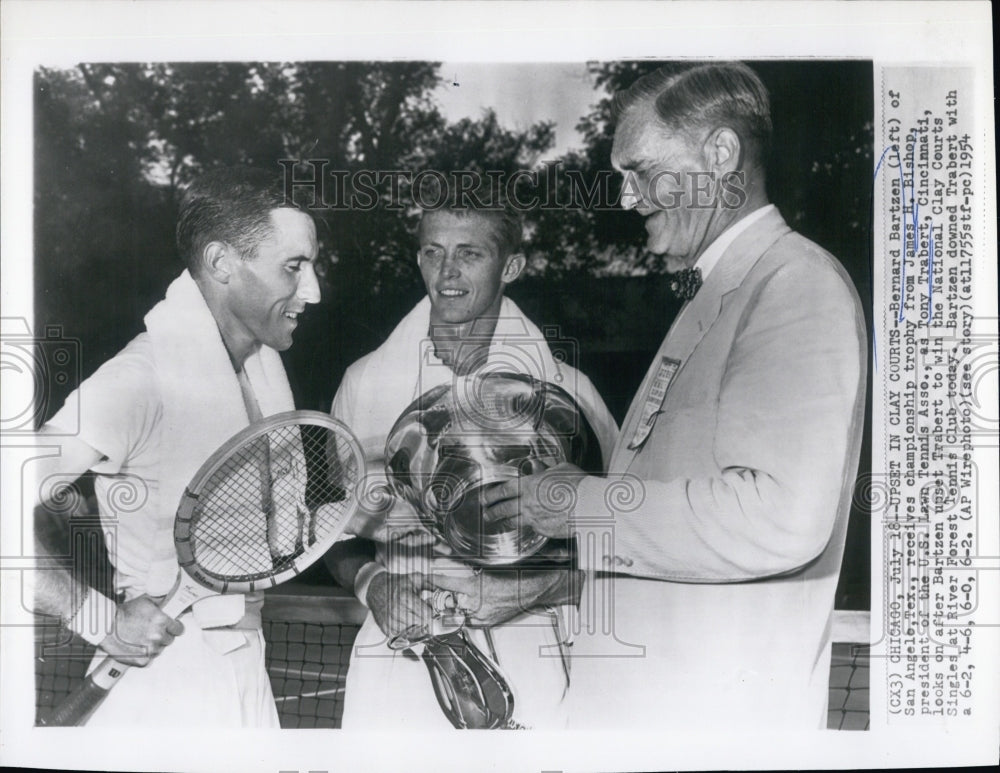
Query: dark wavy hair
231 205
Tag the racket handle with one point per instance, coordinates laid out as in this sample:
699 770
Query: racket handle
77 707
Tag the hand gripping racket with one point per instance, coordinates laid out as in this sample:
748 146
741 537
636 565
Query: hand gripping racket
263 508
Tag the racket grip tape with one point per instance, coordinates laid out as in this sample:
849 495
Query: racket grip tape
77 707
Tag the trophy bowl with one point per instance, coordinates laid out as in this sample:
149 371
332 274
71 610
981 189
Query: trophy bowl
458 439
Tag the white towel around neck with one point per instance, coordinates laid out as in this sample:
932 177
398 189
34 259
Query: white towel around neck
202 403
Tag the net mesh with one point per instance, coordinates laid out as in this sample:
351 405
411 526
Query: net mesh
307 663
849 678
272 500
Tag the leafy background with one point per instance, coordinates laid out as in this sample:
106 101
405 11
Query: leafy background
116 143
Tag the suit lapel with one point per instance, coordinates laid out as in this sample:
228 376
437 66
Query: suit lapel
696 318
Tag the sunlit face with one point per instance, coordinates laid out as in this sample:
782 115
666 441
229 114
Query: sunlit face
462 267
661 176
267 293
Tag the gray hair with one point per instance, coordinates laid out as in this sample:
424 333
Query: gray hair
691 98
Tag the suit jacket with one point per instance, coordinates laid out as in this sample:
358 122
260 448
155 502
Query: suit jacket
714 547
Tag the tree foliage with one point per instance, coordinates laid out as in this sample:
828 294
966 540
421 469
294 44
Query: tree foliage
116 143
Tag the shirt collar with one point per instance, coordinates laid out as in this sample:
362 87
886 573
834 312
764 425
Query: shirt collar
715 250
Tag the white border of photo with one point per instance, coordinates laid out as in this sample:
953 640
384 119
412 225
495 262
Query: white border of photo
56 33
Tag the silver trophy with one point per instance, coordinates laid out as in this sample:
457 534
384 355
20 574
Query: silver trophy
458 439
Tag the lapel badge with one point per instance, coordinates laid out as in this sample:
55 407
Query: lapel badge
665 372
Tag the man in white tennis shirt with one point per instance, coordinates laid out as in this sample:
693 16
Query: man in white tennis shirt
206 366
741 446
469 253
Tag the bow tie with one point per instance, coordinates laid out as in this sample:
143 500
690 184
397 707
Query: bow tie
685 283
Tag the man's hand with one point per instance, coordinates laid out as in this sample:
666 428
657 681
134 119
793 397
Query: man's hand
495 596
544 501
381 517
141 632
395 601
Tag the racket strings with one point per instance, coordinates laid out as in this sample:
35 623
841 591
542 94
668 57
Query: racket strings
272 501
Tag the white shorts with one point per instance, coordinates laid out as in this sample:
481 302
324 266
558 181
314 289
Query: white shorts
191 684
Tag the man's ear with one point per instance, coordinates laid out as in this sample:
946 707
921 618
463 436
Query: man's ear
723 150
216 261
513 266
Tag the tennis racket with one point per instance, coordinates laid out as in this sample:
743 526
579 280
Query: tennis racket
264 507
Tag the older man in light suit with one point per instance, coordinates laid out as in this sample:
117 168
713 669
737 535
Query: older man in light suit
740 448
